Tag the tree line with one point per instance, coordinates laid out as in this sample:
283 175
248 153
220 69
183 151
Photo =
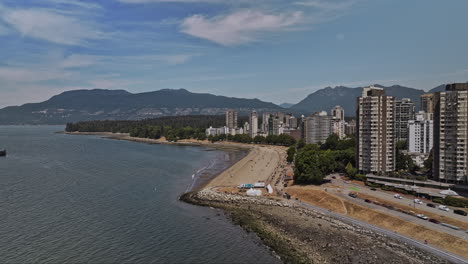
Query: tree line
176 128
314 161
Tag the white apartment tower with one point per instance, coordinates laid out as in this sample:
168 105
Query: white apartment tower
375 150
420 135
451 134
318 127
338 112
253 124
231 119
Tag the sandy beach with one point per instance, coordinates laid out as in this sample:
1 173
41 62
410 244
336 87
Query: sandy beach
262 163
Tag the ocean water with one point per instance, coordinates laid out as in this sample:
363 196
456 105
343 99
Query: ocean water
66 198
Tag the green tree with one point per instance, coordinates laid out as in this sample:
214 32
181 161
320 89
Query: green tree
350 170
301 143
291 153
307 165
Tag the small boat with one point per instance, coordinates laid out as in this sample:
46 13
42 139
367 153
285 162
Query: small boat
2 152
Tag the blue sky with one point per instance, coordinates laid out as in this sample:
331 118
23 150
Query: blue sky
278 51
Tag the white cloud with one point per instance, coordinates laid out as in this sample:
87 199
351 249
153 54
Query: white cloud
327 4
77 61
51 26
168 1
239 27
76 3
12 74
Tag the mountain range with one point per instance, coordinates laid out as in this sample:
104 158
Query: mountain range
327 98
99 104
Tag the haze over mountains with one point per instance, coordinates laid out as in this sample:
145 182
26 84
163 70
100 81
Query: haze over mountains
98 104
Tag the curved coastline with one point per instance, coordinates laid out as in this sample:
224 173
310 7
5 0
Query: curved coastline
295 234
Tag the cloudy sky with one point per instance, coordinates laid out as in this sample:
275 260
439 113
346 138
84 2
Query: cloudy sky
273 50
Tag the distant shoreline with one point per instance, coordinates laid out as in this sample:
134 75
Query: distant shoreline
196 143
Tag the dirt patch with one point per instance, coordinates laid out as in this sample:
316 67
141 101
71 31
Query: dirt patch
332 202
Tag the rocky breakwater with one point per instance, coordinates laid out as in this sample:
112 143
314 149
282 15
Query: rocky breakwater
300 235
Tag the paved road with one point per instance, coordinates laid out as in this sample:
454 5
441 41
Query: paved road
407 199
458 233
428 248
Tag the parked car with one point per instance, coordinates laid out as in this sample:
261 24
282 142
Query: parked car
367 201
444 208
333 177
431 205
397 196
353 195
460 212
417 201
373 189
423 217
435 221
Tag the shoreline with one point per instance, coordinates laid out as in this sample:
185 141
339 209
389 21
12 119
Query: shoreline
284 238
246 150
301 235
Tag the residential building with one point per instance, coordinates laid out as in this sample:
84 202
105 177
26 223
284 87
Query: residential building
292 122
211 131
295 133
318 127
427 103
265 119
338 127
375 146
280 116
246 128
451 134
404 112
350 127
286 120
253 124
231 119
420 136
338 112
274 126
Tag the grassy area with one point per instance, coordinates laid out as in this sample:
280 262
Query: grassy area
355 189
316 196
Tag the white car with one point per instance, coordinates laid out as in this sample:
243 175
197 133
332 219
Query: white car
417 201
422 216
444 208
397 196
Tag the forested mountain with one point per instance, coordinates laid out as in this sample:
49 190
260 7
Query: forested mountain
326 98
81 105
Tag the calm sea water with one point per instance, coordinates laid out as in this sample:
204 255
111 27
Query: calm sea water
76 199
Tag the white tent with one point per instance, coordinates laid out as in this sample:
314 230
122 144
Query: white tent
449 192
270 189
253 192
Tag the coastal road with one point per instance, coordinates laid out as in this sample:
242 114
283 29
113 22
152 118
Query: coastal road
407 199
404 239
458 233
